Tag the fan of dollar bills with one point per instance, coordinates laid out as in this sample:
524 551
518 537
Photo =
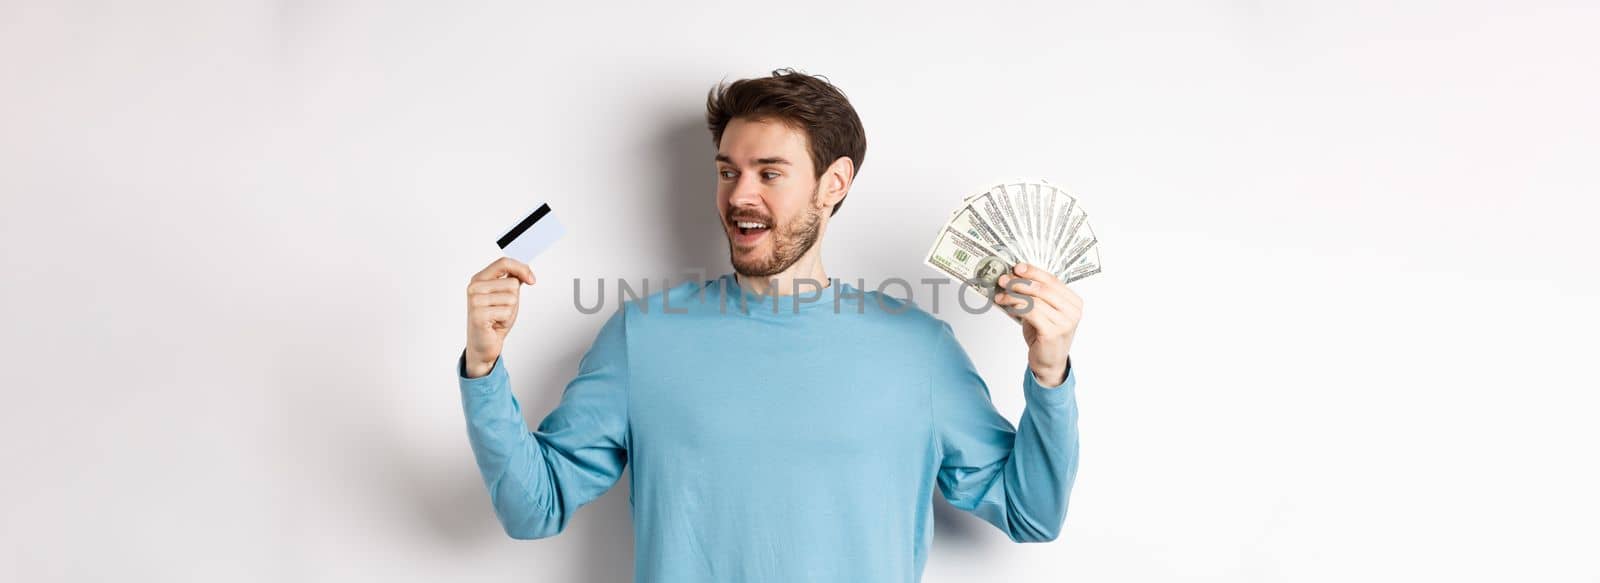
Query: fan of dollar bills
1027 221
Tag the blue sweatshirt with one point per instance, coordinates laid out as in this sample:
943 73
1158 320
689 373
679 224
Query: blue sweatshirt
775 439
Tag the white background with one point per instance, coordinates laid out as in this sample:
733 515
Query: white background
1346 329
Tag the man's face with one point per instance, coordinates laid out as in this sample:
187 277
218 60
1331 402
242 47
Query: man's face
766 181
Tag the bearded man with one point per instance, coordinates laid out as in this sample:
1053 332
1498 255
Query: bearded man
773 437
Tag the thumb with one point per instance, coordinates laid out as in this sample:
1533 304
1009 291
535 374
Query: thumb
523 272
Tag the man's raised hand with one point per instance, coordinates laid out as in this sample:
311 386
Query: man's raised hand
492 310
1049 313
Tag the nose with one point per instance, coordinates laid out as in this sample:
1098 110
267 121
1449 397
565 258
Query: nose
746 192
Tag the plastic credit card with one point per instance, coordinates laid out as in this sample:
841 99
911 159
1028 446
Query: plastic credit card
532 235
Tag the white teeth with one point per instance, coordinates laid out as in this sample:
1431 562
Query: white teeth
747 225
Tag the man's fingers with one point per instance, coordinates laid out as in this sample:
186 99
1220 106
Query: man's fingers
504 284
1021 305
493 299
496 313
524 272
1049 291
1061 315
1072 297
506 266
1007 304
1041 314
1044 318
499 268
1059 294
1034 272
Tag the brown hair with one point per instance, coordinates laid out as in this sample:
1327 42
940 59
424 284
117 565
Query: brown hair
808 103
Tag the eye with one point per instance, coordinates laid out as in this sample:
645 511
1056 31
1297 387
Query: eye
770 175
726 174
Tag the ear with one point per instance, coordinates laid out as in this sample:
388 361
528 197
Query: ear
836 181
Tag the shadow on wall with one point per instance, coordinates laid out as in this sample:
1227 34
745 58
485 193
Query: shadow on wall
685 200
954 528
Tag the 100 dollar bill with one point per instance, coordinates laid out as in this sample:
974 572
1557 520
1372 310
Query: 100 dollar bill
967 260
1086 265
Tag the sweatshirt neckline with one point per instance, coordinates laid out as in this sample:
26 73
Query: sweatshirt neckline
809 300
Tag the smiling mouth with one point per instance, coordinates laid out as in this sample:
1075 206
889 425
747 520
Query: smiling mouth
747 234
750 227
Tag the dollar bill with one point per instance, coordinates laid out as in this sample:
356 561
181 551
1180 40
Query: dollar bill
1068 220
1011 200
1086 265
989 209
968 260
1049 198
968 220
1082 240
1035 209
1020 221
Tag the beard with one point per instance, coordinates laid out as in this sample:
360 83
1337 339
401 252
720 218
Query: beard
789 242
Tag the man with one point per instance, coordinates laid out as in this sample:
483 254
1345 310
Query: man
772 445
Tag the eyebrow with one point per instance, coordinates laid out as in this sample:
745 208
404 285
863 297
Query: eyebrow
774 160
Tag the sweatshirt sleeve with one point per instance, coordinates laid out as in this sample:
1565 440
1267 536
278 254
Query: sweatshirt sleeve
538 479
1019 480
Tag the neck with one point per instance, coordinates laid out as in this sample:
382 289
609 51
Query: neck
808 269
